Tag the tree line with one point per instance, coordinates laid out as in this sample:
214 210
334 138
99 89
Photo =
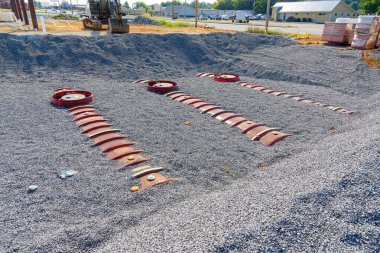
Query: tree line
259 6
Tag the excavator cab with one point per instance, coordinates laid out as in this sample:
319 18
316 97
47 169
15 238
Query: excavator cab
105 12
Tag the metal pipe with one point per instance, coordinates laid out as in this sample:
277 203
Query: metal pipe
33 14
25 14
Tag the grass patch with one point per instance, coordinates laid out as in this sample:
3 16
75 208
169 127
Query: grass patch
168 23
62 17
263 31
271 32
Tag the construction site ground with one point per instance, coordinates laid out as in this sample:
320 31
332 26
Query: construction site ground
318 191
61 27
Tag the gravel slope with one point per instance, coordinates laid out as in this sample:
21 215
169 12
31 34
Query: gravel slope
320 192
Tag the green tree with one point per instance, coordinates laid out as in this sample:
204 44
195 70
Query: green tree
149 10
370 6
201 5
126 5
223 5
140 5
169 3
37 4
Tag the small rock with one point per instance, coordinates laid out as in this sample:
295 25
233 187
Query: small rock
32 188
71 173
62 174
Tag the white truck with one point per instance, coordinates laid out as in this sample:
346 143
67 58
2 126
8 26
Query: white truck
241 17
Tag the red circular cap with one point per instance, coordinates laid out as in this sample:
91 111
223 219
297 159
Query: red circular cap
70 98
226 77
161 86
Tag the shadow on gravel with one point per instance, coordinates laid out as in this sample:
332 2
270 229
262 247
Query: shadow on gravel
353 207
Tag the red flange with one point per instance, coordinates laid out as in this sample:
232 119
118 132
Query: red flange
162 86
226 77
71 98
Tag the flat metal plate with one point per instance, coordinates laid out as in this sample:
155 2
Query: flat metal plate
159 179
114 144
80 107
226 116
87 121
93 126
107 137
121 152
199 105
192 101
207 108
216 112
272 137
257 132
79 111
232 122
248 125
85 115
127 161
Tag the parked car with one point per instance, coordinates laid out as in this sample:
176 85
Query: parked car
213 17
224 17
255 17
202 17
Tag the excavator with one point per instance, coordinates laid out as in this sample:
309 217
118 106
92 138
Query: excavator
105 12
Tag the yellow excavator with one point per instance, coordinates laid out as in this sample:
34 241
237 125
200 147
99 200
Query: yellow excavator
101 12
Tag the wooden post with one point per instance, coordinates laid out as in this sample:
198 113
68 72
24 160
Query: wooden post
19 10
14 8
33 14
196 13
267 18
24 13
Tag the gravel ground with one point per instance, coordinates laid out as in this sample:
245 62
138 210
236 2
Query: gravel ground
140 20
320 192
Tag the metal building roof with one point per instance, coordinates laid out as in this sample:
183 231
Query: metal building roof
312 6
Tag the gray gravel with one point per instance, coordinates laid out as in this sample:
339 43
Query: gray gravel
320 192
140 20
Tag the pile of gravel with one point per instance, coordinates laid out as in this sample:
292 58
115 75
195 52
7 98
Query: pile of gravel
140 20
320 192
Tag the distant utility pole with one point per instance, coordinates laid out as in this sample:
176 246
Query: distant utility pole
172 10
196 13
267 17
185 10
72 11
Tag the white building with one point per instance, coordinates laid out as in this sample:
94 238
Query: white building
312 11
